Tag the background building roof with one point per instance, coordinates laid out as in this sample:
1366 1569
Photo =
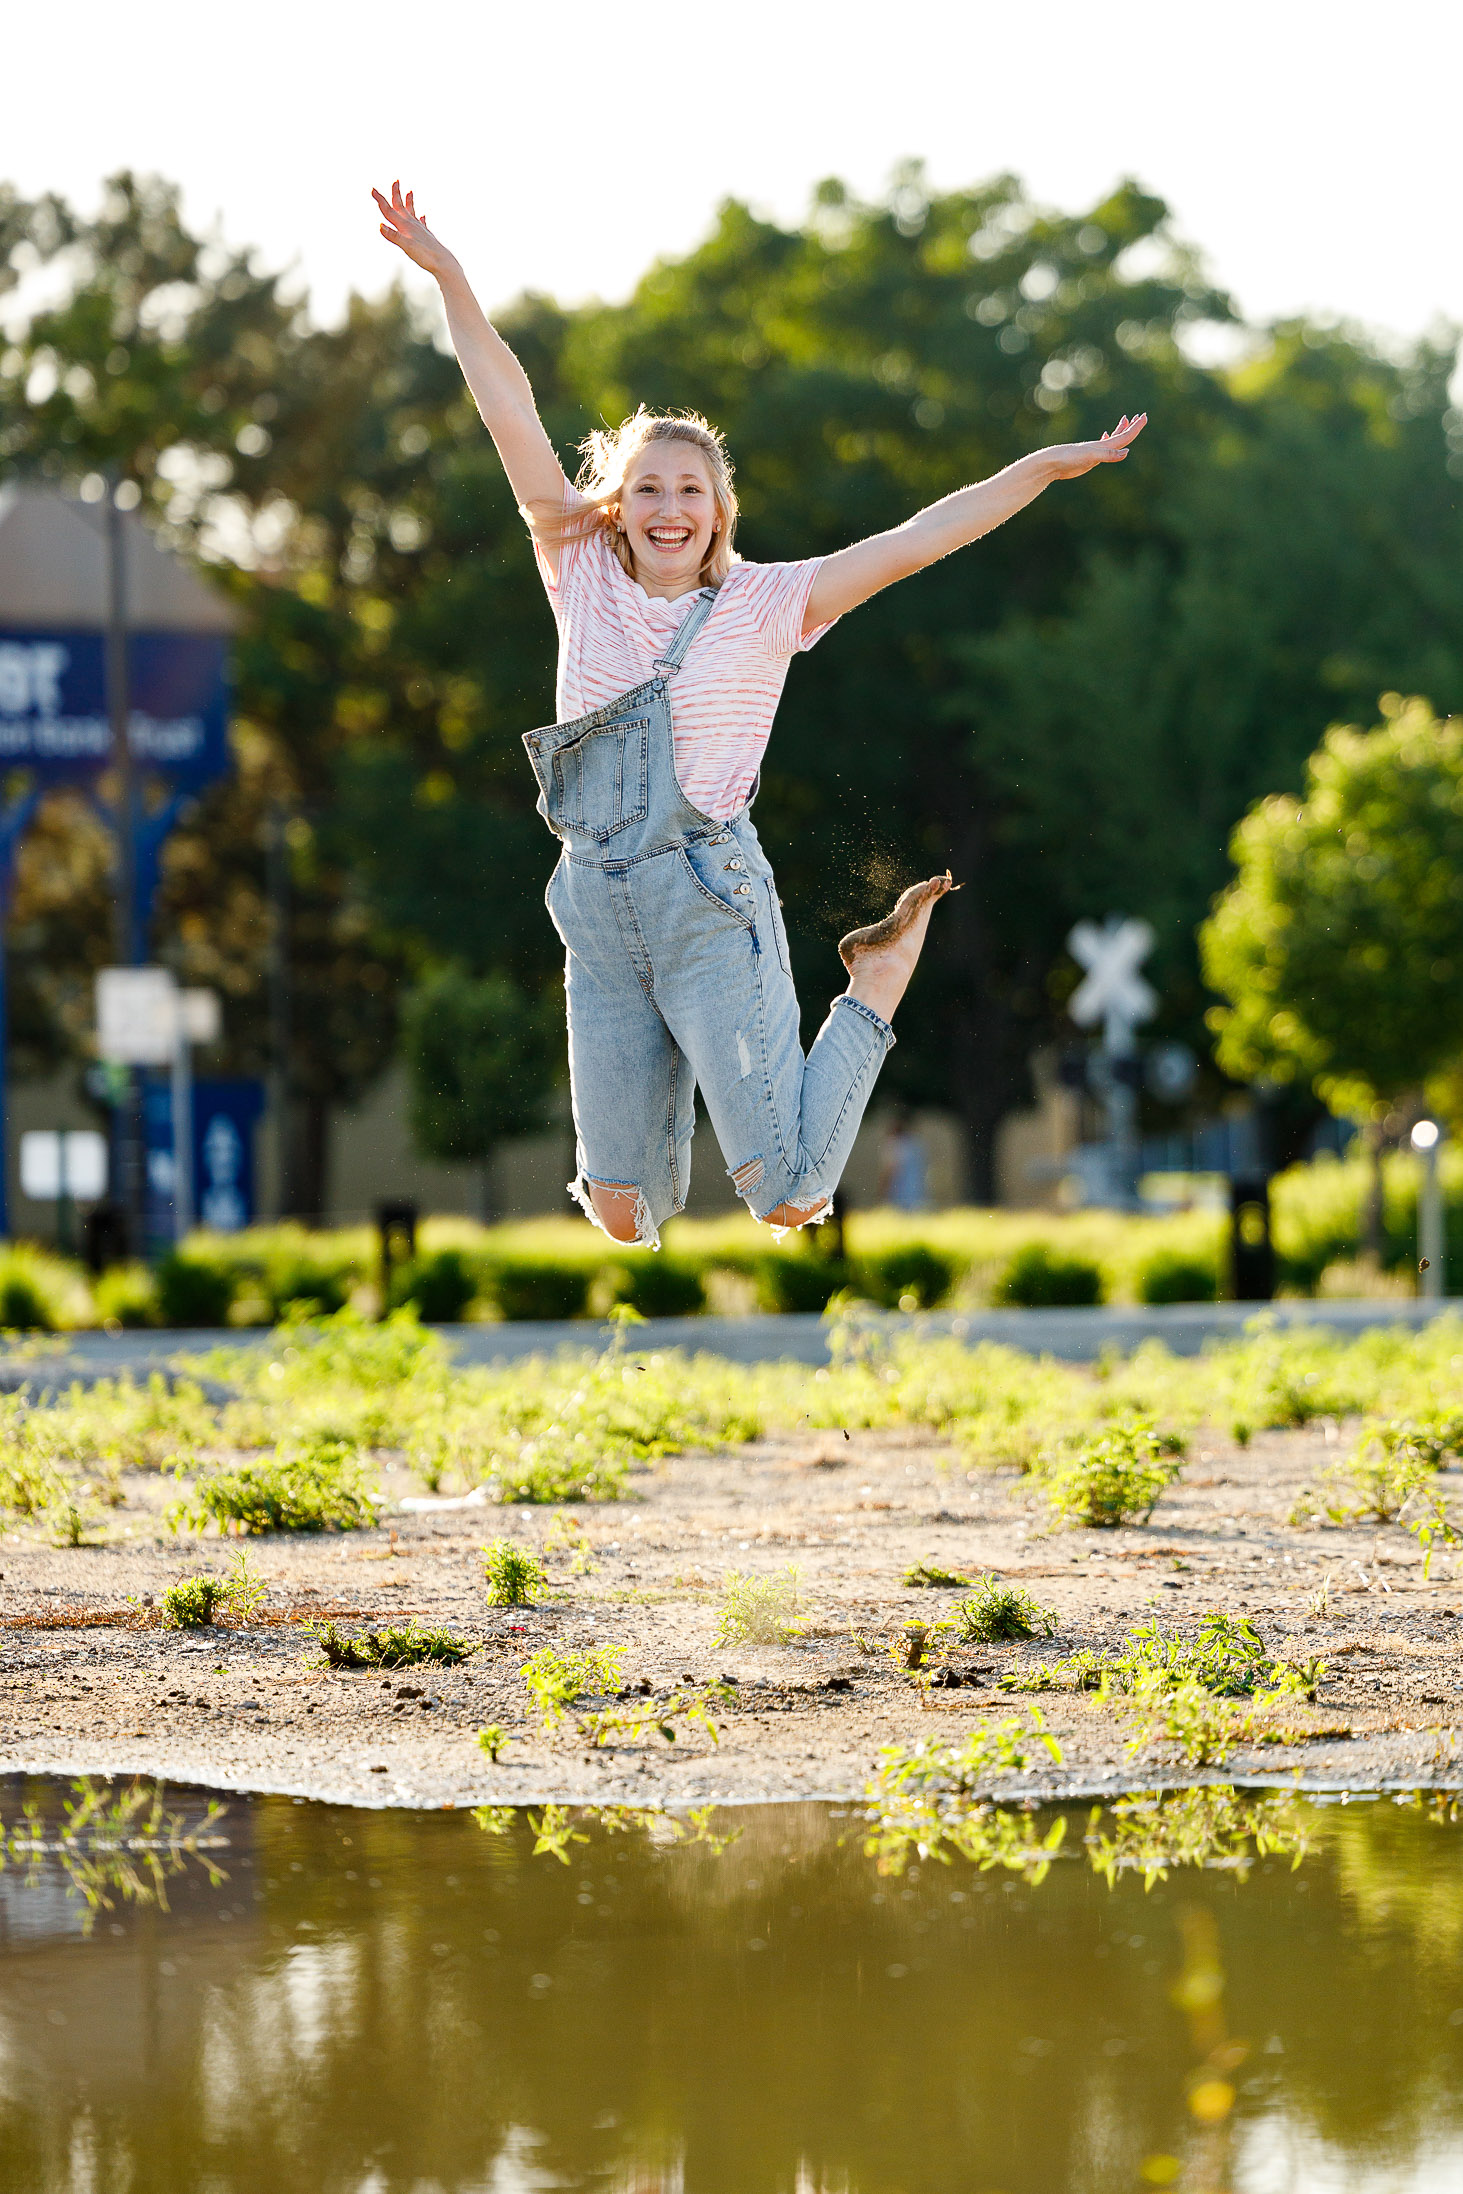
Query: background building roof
53 570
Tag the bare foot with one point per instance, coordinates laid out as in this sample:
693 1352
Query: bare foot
881 958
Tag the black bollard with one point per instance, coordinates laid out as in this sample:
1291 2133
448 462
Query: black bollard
396 1225
1251 1251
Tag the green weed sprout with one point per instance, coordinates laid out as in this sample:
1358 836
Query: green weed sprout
556 1681
405 1645
69 1525
1434 1525
930 1573
995 1611
493 1737
515 1576
1115 1477
317 1486
658 1717
760 1610
1382 1475
1228 1659
1205 1728
193 1602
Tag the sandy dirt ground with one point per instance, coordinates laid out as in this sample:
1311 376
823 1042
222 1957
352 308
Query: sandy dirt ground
89 1681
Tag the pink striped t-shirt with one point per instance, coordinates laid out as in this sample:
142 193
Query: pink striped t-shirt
725 694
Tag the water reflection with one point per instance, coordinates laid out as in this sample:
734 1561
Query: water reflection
92 1846
399 2002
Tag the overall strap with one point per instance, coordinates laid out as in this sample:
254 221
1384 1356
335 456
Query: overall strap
667 665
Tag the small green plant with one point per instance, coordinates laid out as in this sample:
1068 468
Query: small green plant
1113 1477
568 1536
1204 1728
406 1645
69 1524
1228 1659
1433 1527
930 1573
317 1485
995 1611
760 1610
194 1602
515 1577
557 1681
1080 1671
493 1738
1381 1476
28 1485
658 1717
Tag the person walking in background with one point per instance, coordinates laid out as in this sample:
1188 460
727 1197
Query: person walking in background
677 973
904 1167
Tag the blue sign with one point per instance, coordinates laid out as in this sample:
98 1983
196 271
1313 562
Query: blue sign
53 704
224 1117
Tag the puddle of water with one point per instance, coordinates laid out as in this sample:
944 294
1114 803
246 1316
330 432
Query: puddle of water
302 1997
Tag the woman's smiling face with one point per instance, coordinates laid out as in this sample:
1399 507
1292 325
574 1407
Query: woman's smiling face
668 512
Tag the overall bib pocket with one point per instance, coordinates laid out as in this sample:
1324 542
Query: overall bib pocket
599 782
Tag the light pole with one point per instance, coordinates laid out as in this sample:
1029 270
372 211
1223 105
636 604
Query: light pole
1432 1246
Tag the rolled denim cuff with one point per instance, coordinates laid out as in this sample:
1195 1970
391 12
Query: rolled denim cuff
856 1005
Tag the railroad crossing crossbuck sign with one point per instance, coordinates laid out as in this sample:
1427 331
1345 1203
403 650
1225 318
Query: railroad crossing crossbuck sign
1112 991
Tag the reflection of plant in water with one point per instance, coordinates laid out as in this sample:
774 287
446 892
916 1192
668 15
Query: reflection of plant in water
922 1806
922 1798
1211 1825
559 1826
112 1846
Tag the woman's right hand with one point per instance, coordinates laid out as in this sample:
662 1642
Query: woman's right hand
403 226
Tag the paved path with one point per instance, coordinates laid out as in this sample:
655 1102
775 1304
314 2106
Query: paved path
1076 1336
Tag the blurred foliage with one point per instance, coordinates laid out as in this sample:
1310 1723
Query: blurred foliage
1339 946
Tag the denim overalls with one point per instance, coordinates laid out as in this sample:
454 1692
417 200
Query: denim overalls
677 975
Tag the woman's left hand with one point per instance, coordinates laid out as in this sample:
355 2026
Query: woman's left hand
1069 460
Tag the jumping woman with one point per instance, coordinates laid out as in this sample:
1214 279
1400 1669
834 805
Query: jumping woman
677 972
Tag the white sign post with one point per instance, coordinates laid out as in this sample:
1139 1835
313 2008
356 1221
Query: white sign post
199 1022
144 1019
1114 992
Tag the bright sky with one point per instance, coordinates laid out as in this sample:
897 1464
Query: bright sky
1310 147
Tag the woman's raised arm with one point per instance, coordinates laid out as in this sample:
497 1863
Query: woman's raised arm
851 575
499 385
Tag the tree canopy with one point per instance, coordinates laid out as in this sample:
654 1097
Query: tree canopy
1339 945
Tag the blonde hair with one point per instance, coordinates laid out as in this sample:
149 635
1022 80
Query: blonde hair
608 453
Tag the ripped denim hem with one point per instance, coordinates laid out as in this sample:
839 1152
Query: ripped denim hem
819 1209
647 1233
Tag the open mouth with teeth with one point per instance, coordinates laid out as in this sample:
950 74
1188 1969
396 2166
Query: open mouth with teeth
668 537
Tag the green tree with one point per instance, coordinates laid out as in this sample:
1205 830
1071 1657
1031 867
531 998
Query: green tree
1339 944
482 1057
